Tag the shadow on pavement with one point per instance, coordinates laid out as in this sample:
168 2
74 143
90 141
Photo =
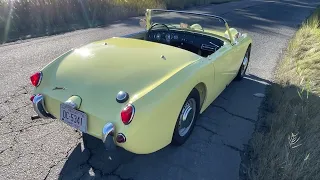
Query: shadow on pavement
219 138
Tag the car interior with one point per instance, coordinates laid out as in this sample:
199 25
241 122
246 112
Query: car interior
201 44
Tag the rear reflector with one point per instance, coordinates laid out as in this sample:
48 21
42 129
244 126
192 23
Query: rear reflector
32 97
121 138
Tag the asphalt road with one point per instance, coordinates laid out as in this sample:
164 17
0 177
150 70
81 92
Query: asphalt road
48 149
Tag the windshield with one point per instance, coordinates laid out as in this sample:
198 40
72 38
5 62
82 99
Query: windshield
188 21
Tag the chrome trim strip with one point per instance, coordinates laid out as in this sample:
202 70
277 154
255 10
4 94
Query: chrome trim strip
206 47
40 79
58 88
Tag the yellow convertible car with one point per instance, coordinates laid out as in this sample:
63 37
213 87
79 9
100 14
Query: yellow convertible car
145 90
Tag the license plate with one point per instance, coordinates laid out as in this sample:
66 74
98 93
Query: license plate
73 117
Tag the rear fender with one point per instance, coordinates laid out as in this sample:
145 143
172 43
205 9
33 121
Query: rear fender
157 113
48 71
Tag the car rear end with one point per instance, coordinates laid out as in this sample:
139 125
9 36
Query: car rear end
82 111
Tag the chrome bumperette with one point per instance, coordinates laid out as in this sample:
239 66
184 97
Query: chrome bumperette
108 133
39 107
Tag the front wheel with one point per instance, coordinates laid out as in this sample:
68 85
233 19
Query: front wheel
244 65
186 119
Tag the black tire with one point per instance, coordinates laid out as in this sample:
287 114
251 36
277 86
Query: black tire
243 68
178 139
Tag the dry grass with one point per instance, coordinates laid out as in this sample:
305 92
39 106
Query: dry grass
44 17
290 148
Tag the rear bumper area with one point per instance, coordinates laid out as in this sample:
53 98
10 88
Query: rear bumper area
137 139
39 107
107 131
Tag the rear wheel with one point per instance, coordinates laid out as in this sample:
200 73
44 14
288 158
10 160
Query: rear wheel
244 65
186 119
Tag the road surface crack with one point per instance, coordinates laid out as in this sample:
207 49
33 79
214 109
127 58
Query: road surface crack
233 147
183 168
236 115
223 98
203 115
113 173
21 91
99 171
52 166
26 128
206 129
64 158
14 111
5 150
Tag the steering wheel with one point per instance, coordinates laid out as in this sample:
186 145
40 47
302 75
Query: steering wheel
157 24
194 26
154 25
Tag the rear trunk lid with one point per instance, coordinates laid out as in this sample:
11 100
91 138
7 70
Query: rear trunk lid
98 71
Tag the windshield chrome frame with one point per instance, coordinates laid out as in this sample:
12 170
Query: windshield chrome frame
148 18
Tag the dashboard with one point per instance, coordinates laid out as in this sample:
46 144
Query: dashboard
198 43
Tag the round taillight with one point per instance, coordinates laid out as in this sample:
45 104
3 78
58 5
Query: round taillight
127 114
36 78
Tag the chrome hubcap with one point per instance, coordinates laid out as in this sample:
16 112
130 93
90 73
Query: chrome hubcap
186 117
245 63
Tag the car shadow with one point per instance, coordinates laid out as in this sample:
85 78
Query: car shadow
220 135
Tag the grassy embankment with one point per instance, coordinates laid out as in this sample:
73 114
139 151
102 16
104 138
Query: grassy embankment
290 148
21 18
